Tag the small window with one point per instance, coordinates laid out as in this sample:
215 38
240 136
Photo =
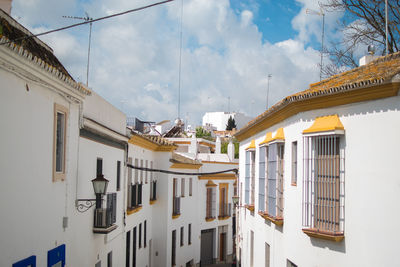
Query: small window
146 172
99 167
98 264
109 259
130 171
140 235
190 233
190 186
290 264
141 171
267 255
182 235
60 131
145 234
183 187
294 163
118 175
136 171
173 248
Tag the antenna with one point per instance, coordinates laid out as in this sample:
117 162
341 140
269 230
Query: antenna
180 64
87 18
269 78
320 13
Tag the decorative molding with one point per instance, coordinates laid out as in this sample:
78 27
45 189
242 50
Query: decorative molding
177 165
337 237
219 176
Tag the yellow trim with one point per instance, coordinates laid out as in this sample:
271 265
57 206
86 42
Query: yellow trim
268 138
147 144
279 135
324 235
252 145
275 220
134 210
175 216
219 176
210 183
221 218
325 124
250 207
207 144
219 162
326 101
186 166
210 219
182 142
153 201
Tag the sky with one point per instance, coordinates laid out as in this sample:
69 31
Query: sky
228 50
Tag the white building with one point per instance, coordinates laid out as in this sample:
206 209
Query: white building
219 120
318 178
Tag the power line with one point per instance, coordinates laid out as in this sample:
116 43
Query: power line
90 21
235 170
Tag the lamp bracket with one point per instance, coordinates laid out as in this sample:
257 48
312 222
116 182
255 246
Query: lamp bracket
84 204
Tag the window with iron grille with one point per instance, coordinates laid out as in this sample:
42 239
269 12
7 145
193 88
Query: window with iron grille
249 178
294 163
146 172
182 236
261 179
275 154
182 187
210 205
323 184
190 186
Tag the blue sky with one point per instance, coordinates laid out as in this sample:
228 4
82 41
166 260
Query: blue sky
229 48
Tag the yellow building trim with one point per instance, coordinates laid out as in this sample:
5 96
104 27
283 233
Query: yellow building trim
275 220
210 183
181 142
220 162
221 218
252 145
210 219
176 216
134 210
147 144
325 124
153 201
186 166
207 144
268 138
219 176
279 135
322 102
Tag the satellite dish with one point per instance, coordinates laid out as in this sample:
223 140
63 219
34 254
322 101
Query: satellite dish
371 49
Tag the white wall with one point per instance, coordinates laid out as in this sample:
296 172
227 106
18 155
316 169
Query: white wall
220 119
372 190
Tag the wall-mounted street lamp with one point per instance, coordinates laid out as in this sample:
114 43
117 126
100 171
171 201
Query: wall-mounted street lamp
100 188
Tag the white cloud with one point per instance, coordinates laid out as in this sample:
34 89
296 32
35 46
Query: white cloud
135 58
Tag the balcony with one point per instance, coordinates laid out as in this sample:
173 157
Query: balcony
153 192
224 211
105 218
176 207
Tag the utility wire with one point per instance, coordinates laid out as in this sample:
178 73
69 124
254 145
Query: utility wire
86 22
181 173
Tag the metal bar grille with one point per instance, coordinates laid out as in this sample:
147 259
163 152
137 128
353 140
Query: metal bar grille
253 176
323 183
261 180
247 179
275 166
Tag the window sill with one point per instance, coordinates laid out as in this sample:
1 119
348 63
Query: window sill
175 216
221 218
133 210
275 220
98 230
152 201
250 207
293 184
337 237
210 219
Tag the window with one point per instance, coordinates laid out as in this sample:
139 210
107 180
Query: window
182 236
141 171
183 187
267 255
119 175
127 248
261 179
190 186
173 252
145 234
140 235
98 264
109 259
146 172
294 163
189 234
59 142
323 195
275 153
251 248
136 170
224 207
210 204
176 203
99 167
134 247
249 179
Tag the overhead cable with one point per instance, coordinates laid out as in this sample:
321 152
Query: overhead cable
89 21
235 170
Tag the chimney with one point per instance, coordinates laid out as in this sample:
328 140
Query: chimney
218 145
193 145
365 60
231 150
6 6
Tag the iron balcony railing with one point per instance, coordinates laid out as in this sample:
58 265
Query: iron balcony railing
210 211
176 206
106 217
225 210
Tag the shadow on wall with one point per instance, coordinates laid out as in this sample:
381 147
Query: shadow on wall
335 246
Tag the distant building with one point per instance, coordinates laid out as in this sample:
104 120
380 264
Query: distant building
219 120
